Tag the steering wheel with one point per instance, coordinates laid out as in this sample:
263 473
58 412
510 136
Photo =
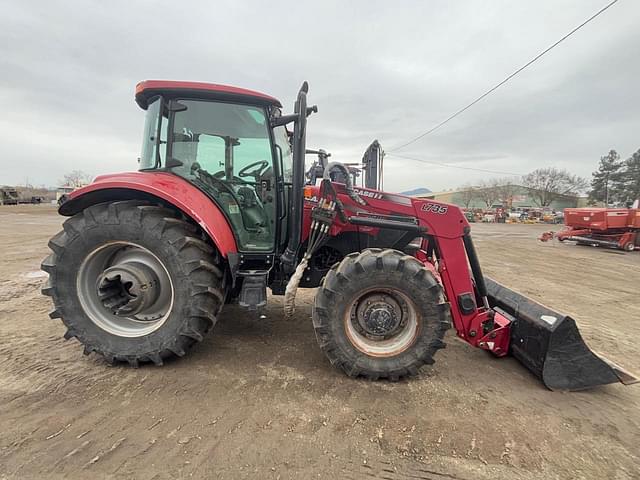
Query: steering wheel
254 169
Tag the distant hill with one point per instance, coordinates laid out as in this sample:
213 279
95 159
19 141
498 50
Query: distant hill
417 191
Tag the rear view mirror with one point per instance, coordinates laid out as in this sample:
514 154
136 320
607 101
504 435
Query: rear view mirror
176 106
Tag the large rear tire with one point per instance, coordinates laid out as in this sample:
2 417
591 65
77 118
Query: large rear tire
134 282
380 314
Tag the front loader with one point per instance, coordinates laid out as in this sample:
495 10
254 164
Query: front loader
219 212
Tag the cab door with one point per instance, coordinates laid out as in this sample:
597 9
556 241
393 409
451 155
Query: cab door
225 149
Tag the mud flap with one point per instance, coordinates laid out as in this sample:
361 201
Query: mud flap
549 344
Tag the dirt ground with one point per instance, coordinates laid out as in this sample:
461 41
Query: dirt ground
257 399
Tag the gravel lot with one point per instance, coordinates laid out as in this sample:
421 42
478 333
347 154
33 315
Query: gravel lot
257 399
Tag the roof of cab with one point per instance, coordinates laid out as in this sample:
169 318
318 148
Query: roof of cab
150 88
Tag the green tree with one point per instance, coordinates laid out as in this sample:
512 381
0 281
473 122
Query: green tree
628 181
605 185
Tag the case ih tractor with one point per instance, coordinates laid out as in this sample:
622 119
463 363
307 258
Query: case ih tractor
219 212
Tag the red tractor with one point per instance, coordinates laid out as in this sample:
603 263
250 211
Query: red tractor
219 211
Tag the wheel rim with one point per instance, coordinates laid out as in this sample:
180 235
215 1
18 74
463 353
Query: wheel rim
382 322
125 289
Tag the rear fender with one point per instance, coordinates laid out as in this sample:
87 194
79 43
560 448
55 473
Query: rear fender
154 186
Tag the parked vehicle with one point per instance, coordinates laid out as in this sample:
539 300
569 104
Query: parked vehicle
8 196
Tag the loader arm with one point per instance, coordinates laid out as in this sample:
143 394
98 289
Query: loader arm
493 317
484 313
459 267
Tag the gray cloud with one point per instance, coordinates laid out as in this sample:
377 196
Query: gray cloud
386 70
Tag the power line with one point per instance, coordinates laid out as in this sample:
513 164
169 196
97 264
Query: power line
442 164
451 117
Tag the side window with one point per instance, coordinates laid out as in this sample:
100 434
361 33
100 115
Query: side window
149 143
162 145
283 146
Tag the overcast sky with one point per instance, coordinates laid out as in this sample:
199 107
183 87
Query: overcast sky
376 69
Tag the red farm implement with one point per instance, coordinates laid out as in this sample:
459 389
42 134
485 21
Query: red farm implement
603 227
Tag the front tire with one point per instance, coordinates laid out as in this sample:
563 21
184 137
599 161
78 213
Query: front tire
380 314
134 282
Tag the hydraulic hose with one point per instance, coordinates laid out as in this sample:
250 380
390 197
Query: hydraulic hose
322 218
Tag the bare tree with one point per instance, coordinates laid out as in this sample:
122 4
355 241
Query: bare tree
547 184
31 193
487 191
506 189
467 194
76 179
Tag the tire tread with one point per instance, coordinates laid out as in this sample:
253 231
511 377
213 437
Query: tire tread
360 265
204 276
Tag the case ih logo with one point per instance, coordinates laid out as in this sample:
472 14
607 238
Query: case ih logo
368 194
435 208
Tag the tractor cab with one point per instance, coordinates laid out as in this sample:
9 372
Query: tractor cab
221 140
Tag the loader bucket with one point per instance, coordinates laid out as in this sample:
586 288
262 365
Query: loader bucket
549 344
